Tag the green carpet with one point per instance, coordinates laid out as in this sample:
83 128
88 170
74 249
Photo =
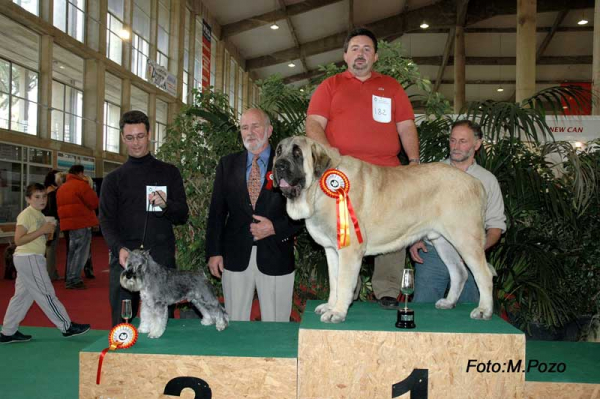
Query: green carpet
45 367
581 361
243 339
369 316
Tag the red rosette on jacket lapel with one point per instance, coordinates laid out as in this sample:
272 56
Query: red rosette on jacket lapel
269 178
336 184
122 336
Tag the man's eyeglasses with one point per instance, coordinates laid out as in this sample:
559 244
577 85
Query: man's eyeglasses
139 137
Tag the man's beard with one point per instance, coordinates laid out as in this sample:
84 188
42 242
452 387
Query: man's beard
357 67
459 156
257 144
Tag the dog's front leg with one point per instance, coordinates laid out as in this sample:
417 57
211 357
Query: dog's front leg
332 268
144 318
350 259
160 316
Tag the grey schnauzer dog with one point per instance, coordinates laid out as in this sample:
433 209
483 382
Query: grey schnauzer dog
160 287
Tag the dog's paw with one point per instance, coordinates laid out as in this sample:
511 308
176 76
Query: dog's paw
481 314
155 334
143 329
221 324
321 309
333 317
444 304
207 321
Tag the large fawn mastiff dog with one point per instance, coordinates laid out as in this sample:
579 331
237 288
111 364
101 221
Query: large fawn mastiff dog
394 208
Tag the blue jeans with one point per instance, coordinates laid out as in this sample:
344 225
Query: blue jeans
79 250
432 279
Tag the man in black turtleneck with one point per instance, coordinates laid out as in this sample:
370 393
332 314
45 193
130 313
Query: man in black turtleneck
142 191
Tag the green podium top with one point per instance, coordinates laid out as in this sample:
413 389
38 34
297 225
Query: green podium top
581 362
371 317
240 339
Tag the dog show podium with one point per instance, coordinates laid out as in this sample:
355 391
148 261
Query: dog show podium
246 360
447 355
368 357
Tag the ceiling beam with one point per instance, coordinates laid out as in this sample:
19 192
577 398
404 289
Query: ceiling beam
256 21
559 18
292 32
440 14
350 15
462 6
437 60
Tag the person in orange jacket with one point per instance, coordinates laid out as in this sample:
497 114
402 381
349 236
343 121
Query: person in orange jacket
77 202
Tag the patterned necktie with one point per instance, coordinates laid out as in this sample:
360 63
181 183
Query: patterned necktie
254 181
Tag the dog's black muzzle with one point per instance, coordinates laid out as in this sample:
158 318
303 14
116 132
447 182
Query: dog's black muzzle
289 179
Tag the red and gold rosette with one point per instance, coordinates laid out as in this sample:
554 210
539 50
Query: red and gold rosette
335 184
122 336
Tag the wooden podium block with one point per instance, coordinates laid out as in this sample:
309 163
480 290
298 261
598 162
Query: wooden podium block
247 360
368 357
569 370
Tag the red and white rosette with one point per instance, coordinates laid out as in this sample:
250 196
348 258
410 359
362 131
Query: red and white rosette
335 184
122 336
269 178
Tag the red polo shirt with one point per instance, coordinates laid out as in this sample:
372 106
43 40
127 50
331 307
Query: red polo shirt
362 116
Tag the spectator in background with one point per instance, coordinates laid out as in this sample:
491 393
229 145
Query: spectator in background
77 202
51 183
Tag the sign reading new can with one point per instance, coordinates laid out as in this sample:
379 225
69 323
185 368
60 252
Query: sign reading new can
160 76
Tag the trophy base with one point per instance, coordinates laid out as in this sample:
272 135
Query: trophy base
406 318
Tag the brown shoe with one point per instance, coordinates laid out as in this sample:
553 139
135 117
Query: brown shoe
77 286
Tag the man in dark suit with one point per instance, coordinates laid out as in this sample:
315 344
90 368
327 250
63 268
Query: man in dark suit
250 238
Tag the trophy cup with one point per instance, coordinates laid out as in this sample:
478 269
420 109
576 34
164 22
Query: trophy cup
406 316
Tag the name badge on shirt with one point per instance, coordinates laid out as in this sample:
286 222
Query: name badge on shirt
382 109
150 190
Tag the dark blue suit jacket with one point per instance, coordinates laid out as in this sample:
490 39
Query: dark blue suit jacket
230 216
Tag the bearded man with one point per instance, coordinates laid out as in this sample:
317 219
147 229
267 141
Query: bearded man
431 274
249 237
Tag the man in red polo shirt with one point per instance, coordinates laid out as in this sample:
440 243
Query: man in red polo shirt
362 113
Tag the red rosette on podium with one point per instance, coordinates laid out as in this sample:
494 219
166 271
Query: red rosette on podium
335 184
122 336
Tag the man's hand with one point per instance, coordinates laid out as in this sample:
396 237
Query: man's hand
158 198
216 265
414 251
123 255
262 229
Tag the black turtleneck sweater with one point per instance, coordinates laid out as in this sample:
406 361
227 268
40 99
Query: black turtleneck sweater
123 208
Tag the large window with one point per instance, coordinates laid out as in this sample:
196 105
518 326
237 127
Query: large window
114 25
160 130
139 100
240 91
69 16
141 37
186 55
67 96
19 65
112 112
19 166
32 6
232 82
18 97
213 61
164 26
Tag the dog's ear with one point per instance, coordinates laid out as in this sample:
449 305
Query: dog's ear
321 160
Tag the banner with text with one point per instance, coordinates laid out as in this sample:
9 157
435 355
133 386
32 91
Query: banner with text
160 76
206 47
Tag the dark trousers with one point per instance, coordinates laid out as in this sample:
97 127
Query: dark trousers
116 293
